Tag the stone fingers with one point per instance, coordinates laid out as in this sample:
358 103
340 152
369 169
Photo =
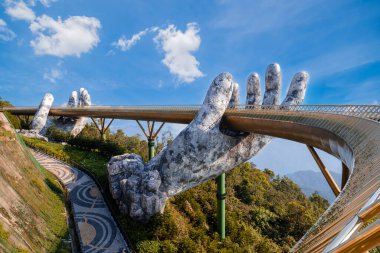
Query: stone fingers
73 99
136 189
297 89
84 97
83 101
253 90
272 84
216 101
235 96
40 118
80 100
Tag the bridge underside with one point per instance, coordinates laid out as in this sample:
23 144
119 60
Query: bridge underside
350 133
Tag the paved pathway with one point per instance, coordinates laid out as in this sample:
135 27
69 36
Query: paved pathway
96 228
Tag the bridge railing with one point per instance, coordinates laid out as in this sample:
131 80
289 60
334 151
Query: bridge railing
361 111
369 112
340 109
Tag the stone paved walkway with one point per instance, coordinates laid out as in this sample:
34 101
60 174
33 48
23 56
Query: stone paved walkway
96 228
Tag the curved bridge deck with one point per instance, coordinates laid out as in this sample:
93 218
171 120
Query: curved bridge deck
350 133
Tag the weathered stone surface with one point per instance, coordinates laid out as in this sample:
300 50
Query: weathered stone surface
84 101
73 125
32 134
40 118
253 89
73 100
42 113
202 150
272 84
136 188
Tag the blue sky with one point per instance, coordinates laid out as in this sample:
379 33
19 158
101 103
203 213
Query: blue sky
168 52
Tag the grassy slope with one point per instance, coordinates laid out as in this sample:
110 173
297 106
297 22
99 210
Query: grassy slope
31 201
264 213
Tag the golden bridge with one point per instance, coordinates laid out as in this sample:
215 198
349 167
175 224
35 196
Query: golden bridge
351 133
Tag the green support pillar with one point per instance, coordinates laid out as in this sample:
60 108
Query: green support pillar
151 148
221 195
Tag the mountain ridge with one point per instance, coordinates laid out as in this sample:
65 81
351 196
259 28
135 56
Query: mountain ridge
311 181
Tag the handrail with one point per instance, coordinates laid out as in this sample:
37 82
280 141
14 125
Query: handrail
349 132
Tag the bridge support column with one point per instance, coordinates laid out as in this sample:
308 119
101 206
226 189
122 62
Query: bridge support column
102 128
221 196
330 180
151 136
151 148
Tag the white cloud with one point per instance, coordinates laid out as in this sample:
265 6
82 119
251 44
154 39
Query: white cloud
70 37
19 10
45 3
6 34
160 84
53 75
110 53
178 47
125 44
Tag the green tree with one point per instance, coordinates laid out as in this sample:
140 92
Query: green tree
13 119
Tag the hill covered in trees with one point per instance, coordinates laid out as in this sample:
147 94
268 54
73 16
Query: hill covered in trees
264 212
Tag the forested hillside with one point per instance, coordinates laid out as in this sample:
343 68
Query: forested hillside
264 213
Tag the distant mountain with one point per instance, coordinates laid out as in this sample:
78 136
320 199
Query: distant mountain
310 181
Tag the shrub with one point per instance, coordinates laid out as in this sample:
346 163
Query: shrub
18 250
38 184
4 235
107 147
188 246
167 247
148 247
56 135
166 226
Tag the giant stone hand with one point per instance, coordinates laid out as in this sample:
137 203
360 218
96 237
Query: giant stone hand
203 150
73 125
